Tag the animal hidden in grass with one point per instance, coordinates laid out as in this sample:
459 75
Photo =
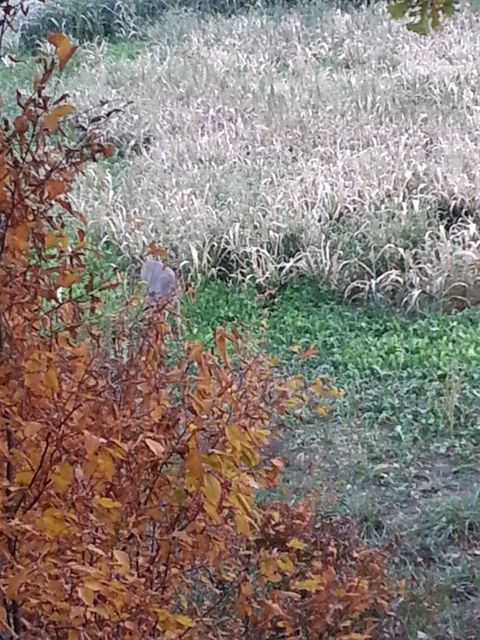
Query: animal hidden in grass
161 287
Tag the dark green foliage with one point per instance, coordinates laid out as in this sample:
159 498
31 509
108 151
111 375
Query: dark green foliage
423 14
87 20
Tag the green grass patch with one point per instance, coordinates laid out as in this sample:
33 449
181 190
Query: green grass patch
413 376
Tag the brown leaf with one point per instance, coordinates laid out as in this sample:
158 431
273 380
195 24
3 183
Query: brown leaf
156 447
56 188
21 124
221 342
68 279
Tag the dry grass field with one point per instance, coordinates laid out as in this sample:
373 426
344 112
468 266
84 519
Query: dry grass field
261 146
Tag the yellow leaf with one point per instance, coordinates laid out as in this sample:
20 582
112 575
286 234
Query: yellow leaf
53 522
235 436
86 595
91 443
295 543
268 569
185 621
319 388
62 476
64 47
244 503
122 558
250 456
323 411
243 524
108 503
102 610
310 584
156 447
211 510
63 110
52 380
94 585
106 465
295 383
285 563
23 478
212 489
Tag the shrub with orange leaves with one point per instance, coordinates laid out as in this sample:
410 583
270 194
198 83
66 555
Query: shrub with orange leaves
128 485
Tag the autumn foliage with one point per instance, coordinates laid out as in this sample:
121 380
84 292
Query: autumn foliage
129 481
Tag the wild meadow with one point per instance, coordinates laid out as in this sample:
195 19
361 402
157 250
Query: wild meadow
314 173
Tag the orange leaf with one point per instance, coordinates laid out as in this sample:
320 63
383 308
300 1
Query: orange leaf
63 110
68 279
194 468
52 380
64 47
50 122
18 236
309 353
156 447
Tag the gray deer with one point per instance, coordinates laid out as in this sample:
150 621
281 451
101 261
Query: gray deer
161 286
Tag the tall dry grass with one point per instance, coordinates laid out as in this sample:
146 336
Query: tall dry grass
318 142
